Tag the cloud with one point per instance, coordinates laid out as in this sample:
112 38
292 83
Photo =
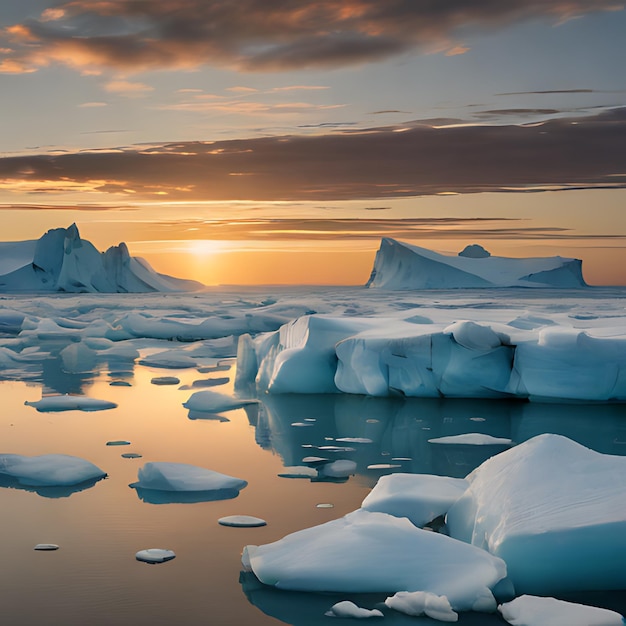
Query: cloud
558 154
257 35
92 105
127 88
547 91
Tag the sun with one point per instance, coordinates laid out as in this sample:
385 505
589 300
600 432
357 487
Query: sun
202 248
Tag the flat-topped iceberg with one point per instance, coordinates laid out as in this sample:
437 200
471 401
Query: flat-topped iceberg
48 470
554 510
70 403
375 552
401 265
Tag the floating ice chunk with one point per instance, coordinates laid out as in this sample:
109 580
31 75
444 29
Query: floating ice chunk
372 552
418 603
315 460
49 470
120 383
472 439
349 609
301 424
184 477
207 382
155 555
131 455
77 358
118 442
214 402
342 468
383 466
353 440
70 403
165 380
536 611
419 497
553 510
298 472
46 547
242 521
169 359
324 505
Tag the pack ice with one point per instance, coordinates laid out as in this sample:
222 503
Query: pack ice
553 510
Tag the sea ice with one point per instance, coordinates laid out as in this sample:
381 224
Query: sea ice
48 470
184 477
553 510
373 552
165 380
70 403
46 547
155 555
416 603
538 611
214 402
472 439
349 609
242 521
419 497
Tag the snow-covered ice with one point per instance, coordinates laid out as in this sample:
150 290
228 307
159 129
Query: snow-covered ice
554 510
48 470
70 403
419 497
372 552
162 476
472 439
351 610
241 521
539 611
155 555
416 603
46 547
214 402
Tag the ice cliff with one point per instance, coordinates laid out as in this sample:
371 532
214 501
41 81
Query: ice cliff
61 261
400 265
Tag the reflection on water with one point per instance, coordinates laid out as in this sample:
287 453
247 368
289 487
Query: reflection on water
158 496
48 492
398 430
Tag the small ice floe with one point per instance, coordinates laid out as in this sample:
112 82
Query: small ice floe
298 471
70 403
324 505
242 521
46 547
165 380
336 448
383 466
419 497
300 424
342 468
169 359
208 369
48 470
472 439
164 483
353 440
118 442
155 555
119 383
315 460
131 455
206 382
418 603
349 609
213 402
539 611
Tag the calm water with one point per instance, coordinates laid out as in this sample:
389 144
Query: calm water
94 578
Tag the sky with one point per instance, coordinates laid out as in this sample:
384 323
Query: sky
277 141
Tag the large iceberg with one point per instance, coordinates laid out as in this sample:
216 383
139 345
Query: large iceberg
399 265
375 552
61 261
48 470
554 510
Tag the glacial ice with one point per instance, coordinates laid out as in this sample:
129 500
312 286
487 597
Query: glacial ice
70 403
351 610
539 611
48 470
161 476
373 552
416 603
553 510
419 497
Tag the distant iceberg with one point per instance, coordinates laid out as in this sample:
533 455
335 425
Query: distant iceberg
61 261
399 265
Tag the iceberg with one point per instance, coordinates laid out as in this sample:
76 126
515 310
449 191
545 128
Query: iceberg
70 403
399 266
374 552
61 261
419 497
48 470
155 555
536 611
418 603
214 402
553 510
349 609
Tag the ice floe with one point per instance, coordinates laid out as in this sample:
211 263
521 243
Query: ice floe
416 603
351 610
241 521
155 555
46 547
372 552
48 470
214 402
472 439
539 611
70 403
